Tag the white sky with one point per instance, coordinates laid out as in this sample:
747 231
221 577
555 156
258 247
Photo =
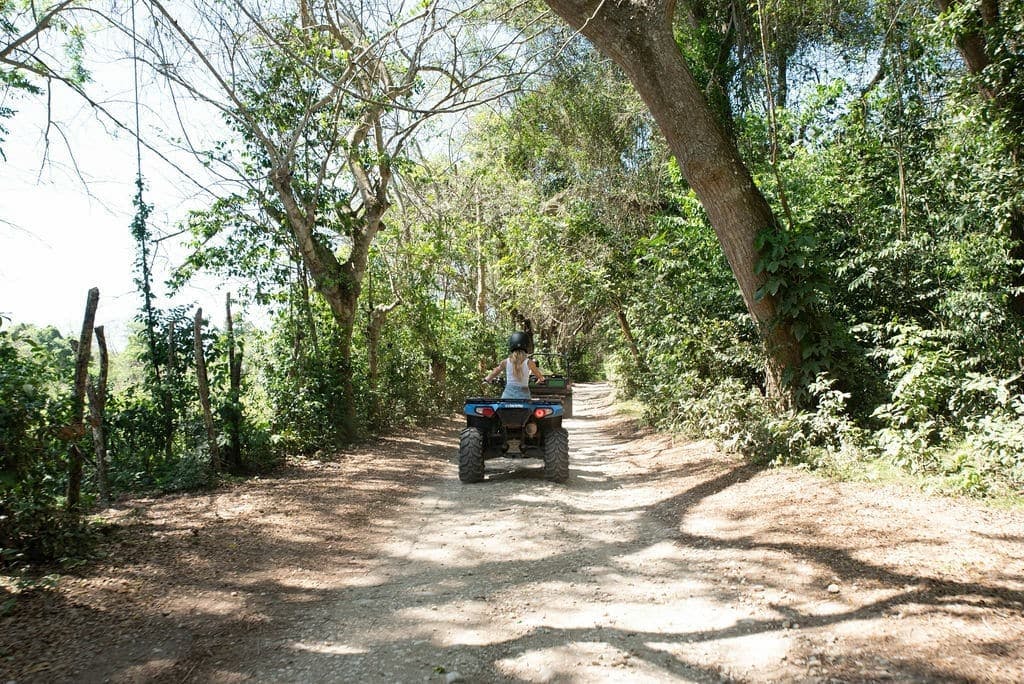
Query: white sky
60 236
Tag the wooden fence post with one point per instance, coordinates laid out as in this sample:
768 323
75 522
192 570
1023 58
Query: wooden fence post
77 429
204 392
97 414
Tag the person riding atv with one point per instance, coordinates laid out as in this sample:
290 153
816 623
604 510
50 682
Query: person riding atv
517 368
514 426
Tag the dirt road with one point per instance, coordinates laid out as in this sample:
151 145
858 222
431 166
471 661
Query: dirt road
657 562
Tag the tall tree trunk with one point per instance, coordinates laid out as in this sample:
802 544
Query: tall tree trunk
345 417
84 351
340 284
203 383
234 418
97 417
638 36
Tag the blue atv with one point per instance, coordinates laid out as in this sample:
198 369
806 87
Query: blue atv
514 428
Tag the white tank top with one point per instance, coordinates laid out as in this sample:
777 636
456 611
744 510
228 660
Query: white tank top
510 378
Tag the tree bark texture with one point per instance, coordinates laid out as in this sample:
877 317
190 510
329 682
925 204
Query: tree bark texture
97 417
203 383
638 36
234 417
78 400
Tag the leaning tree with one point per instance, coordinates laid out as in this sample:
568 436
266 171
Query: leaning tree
638 35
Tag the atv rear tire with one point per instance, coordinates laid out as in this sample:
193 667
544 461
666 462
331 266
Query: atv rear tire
556 455
471 456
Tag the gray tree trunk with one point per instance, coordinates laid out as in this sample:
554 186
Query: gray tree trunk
97 411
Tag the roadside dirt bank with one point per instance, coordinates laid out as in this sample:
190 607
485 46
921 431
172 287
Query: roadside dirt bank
659 561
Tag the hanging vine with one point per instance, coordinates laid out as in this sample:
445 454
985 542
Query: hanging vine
140 223
143 279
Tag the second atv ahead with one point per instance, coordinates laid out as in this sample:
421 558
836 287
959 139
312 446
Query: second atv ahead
558 385
516 428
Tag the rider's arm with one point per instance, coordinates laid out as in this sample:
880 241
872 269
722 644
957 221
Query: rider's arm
536 371
494 373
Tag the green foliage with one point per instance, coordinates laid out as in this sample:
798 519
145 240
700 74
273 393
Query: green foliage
24 44
940 400
74 50
29 365
890 263
234 239
33 402
34 528
21 579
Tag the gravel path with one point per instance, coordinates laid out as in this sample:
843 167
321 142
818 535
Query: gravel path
657 562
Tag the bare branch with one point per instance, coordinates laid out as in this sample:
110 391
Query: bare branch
41 25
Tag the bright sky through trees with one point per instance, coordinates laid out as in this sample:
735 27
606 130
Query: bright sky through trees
65 214
65 222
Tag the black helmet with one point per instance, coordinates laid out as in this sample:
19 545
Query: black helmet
519 340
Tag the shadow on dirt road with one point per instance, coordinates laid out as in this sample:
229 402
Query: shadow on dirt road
657 562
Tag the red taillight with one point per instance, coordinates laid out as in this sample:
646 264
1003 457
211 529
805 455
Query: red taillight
485 411
542 412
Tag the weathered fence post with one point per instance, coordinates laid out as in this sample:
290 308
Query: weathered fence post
76 427
97 414
204 392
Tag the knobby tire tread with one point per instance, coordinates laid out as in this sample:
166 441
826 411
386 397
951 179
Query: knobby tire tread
471 456
556 455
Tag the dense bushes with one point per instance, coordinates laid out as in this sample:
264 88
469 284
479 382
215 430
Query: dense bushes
896 194
428 359
911 351
33 405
